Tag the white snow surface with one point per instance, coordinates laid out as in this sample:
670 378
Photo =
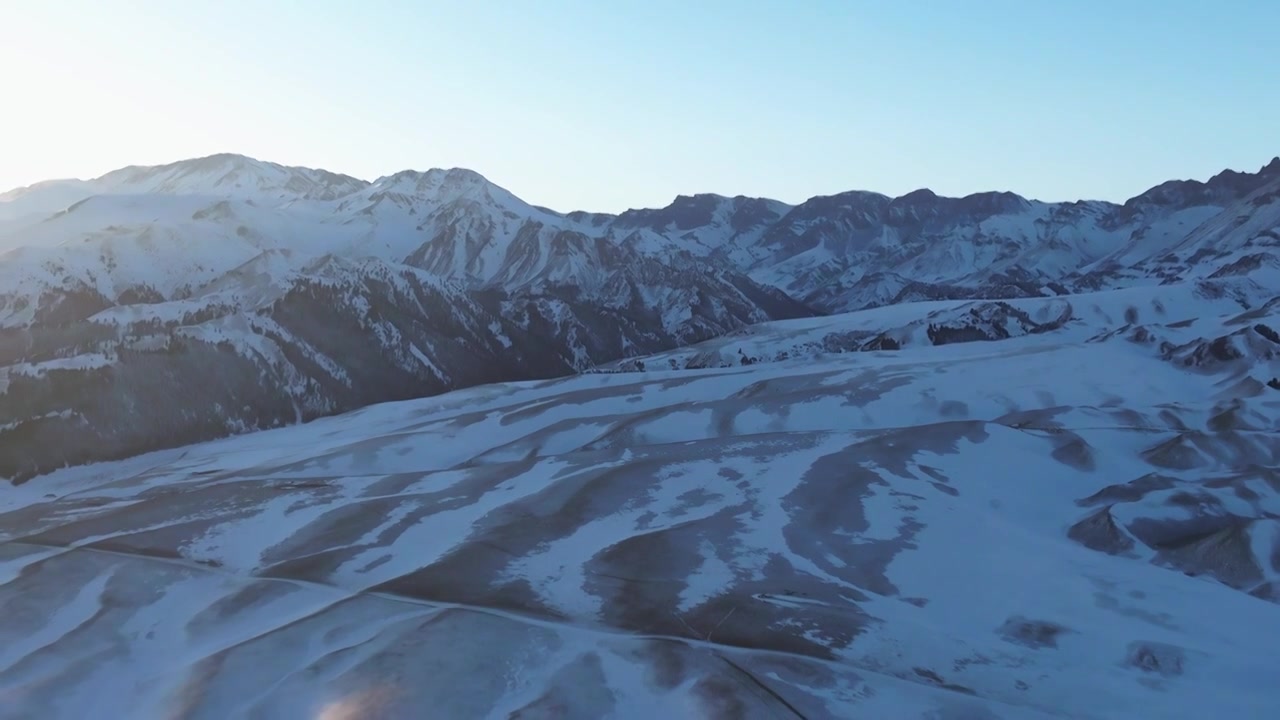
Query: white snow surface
827 535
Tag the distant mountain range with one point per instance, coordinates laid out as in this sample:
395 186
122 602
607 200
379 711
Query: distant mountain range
158 306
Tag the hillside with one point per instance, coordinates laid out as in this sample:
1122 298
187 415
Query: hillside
1067 509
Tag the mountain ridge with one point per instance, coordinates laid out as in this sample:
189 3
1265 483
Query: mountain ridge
218 261
1271 169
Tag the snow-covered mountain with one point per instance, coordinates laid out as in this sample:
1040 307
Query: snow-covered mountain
286 294
306 292
1034 508
1026 467
843 252
859 249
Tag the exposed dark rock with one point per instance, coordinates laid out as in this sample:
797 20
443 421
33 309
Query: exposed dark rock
882 342
1130 491
1266 332
1154 657
1032 633
1225 555
1100 532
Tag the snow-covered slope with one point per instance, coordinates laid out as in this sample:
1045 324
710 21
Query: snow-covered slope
1072 515
231 176
33 203
218 249
284 338
1178 313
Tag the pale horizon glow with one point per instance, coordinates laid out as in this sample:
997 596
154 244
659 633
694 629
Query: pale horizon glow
575 104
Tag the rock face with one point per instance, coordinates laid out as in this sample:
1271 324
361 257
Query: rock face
156 306
1050 520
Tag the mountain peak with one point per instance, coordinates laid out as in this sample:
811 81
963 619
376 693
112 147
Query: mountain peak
1221 189
684 213
437 183
206 164
435 176
993 203
463 175
220 160
698 197
229 175
923 195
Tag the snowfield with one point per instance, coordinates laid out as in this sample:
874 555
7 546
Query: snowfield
1070 523
916 457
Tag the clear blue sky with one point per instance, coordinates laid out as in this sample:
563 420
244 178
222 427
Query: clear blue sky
604 104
